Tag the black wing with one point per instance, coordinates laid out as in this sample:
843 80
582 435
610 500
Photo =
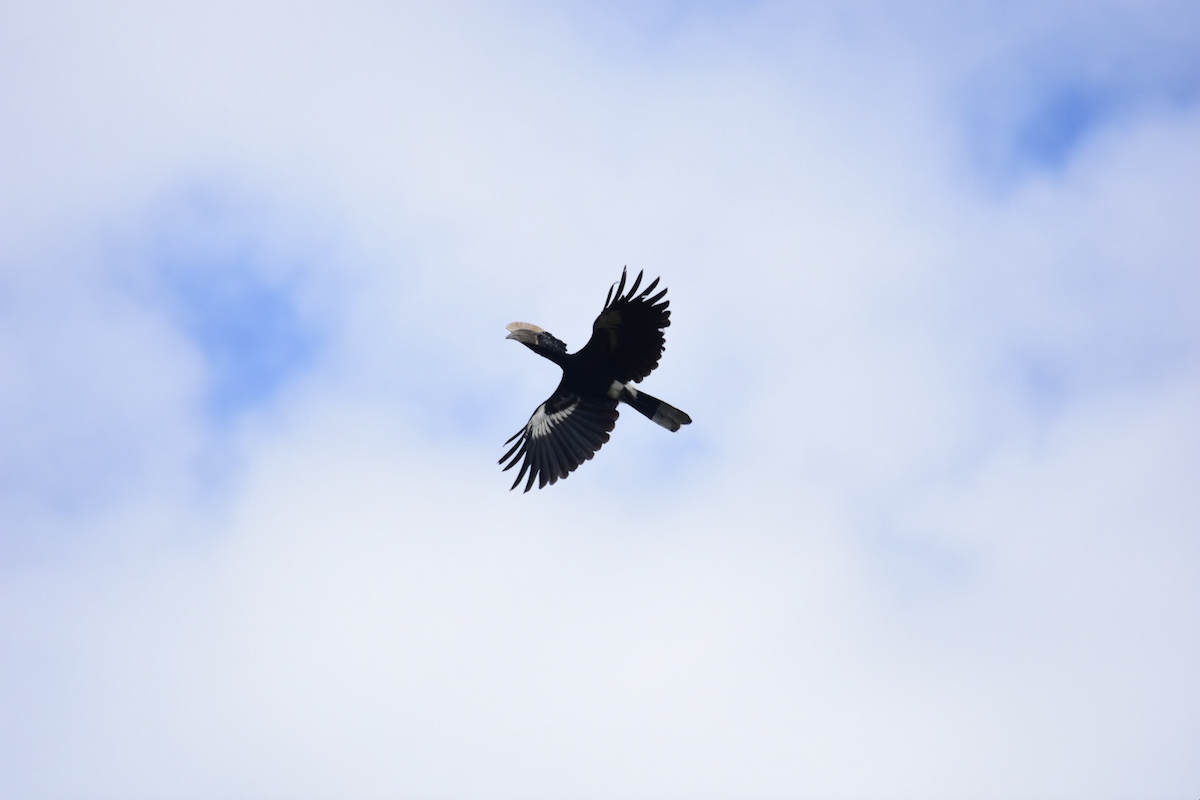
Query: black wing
565 431
627 337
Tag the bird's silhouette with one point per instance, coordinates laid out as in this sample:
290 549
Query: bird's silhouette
574 422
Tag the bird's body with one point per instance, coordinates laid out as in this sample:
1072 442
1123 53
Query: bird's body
574 422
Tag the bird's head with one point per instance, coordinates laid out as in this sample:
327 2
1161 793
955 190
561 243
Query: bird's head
534 337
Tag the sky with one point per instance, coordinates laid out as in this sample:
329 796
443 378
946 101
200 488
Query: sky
934 531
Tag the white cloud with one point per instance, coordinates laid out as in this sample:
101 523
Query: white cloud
930 532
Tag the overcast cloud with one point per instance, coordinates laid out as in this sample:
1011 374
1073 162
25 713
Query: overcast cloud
934 278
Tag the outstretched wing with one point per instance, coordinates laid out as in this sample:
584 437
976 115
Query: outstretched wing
627 338
565 431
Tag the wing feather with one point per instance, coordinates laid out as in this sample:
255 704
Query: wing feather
565 431
627 337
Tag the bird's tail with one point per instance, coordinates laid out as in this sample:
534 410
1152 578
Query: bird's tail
658 411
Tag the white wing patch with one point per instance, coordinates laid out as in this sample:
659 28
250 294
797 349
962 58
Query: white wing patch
541 423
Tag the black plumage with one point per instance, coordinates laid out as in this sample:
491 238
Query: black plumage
574 422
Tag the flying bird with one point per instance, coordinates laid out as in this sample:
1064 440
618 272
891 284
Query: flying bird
566 430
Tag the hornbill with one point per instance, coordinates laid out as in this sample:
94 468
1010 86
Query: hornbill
566 430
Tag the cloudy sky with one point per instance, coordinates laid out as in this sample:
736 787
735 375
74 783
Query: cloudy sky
934 276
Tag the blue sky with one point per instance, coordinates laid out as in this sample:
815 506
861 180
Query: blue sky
933 280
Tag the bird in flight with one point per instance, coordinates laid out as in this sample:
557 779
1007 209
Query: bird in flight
566 430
